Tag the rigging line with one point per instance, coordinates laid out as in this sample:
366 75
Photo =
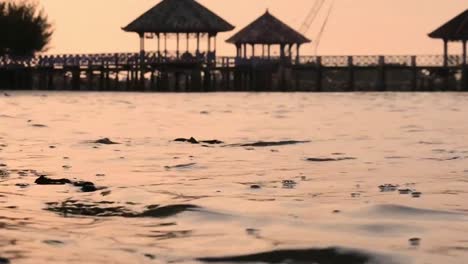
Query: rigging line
311 16
325 23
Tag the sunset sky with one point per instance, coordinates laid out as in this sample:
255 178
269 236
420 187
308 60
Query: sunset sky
355 26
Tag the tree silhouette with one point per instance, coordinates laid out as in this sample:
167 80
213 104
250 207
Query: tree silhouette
24 29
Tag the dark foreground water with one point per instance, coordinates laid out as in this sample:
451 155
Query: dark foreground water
297 178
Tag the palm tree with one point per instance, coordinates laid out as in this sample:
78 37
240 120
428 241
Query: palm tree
24 29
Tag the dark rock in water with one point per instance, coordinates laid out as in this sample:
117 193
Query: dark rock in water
416 194
105 141
319 256
86 186
190 140
39 125
167 211
43 180
89 188
274 143
329 159
2 165
212 142
255 186
82 183
4 261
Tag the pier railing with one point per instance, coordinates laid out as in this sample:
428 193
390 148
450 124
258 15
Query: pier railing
133 59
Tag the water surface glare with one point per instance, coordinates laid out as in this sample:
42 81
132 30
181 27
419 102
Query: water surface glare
266 178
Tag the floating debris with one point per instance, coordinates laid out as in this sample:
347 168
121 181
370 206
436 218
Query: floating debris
388 187
273 143
329 159
289 184
22 185
39 125
180 166
416 194
255 186
405 191
192 140
4 173
415 241
76 208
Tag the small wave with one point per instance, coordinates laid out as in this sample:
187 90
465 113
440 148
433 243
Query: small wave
327 255
399 211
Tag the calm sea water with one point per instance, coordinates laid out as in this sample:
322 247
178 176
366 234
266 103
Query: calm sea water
161 201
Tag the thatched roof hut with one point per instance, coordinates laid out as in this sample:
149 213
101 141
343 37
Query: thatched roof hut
454 30
268 30
179 16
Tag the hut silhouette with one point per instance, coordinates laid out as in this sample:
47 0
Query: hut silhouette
267 30
180 17
454 30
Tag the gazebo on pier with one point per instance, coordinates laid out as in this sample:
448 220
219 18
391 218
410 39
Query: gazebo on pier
186 18
453 31
267 31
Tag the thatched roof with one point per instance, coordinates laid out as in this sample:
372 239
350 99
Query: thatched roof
179 16
454 30
268 29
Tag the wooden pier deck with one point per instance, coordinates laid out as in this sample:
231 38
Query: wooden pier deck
155 72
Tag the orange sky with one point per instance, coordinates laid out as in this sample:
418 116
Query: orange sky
355 26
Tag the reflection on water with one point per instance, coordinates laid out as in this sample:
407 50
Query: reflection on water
275 178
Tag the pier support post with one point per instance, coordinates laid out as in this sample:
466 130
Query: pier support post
351 85
382 82
464 70
319 72
414 74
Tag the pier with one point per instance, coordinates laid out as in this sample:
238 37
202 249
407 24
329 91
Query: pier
201 69
123 72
